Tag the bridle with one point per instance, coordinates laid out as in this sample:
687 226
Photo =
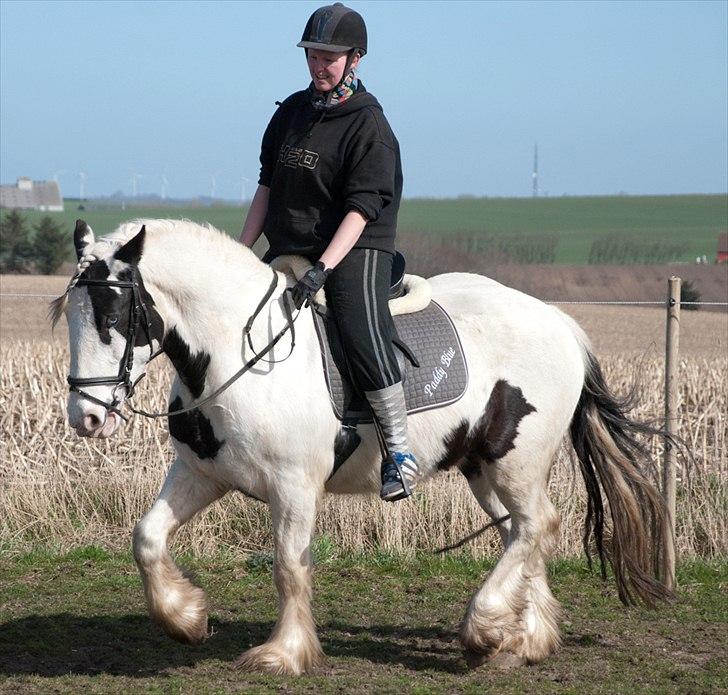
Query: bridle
139 317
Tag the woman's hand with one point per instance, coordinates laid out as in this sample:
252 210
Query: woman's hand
343 241
309 284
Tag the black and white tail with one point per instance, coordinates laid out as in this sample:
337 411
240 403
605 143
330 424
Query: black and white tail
615 463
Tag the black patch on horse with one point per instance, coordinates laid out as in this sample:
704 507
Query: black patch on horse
457 445
195 430
191 368
111 306
105 302
497 429
493 435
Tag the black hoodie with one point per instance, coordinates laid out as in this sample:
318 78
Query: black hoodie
320 165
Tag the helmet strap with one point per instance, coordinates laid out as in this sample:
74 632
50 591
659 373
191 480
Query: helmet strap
347 69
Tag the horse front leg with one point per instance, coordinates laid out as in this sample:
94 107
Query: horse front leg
174 602
293 646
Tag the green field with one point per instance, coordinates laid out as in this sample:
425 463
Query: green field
687 226
77 623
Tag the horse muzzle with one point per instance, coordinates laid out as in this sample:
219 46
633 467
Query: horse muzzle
92 420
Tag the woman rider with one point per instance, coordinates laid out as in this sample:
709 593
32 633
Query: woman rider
329 189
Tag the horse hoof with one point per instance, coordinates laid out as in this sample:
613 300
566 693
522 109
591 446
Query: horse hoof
192 632
265 659
506 661
185 620
501 660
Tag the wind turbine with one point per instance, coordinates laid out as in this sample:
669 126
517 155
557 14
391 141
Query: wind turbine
134 178
213 188
81 181
165 183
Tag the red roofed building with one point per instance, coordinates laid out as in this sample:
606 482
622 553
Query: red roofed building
722 254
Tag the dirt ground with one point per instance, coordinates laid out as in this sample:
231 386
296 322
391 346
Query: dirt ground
77 623
612 329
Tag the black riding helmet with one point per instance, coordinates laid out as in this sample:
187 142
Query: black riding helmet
335 28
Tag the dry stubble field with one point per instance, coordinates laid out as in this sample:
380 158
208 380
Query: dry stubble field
42 461
58 493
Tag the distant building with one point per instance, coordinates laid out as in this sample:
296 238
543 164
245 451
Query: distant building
721 255
27 194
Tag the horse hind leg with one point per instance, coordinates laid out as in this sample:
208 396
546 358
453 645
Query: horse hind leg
489 503
177 605
542 612
513 618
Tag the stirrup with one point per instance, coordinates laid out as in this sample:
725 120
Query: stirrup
399 476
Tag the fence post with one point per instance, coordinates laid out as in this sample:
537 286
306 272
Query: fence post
672 348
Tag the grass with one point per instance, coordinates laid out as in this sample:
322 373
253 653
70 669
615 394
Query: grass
691 222
76 622
693 219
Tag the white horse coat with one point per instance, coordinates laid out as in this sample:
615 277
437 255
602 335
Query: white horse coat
271 434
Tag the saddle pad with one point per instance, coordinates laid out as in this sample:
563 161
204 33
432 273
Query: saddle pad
441 378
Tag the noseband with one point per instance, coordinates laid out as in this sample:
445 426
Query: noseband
138 316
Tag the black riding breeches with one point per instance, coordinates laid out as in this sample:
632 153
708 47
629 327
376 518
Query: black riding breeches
357 291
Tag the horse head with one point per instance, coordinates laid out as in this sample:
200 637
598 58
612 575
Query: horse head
113 328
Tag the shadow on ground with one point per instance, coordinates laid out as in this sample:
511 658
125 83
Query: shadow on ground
129 645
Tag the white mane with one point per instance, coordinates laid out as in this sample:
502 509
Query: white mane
165 238
182 230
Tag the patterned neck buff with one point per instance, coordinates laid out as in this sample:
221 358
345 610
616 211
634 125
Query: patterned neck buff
344 90
323 101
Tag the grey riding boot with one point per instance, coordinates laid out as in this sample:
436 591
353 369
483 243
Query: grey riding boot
399 468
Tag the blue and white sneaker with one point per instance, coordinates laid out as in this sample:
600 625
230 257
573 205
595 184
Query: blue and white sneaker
399 476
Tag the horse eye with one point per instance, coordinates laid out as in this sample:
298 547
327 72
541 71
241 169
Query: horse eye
111 320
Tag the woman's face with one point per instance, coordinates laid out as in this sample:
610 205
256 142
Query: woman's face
327 68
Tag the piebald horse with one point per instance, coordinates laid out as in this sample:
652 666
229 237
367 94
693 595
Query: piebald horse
188 290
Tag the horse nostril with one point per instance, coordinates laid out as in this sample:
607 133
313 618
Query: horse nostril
91 422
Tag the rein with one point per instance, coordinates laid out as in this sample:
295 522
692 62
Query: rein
290 320
137 310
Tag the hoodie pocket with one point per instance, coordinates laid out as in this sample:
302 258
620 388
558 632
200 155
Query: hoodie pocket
303 229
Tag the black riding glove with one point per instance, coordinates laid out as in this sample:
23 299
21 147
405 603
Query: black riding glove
309 284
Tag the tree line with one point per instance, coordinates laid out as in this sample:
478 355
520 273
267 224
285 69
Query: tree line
622 250
40 248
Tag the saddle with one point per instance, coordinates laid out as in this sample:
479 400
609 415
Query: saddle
428 349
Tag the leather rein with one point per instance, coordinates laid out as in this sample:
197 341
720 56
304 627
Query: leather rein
139 317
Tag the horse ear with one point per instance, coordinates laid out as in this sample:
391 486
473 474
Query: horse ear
83 237
131 252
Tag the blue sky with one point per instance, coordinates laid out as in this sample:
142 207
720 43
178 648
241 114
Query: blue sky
620 96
